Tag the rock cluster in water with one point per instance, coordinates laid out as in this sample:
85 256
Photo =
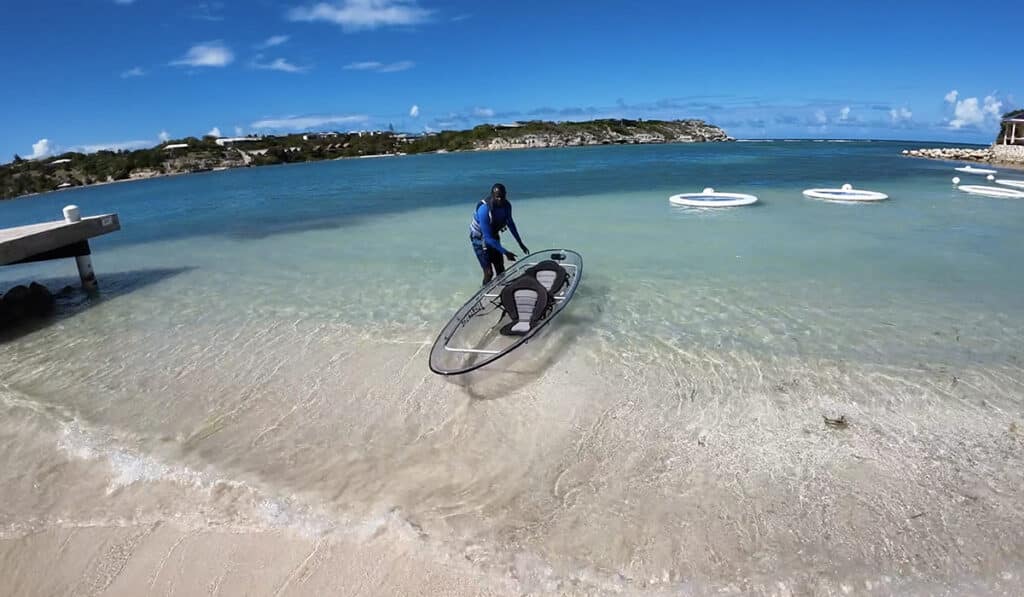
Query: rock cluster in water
953 153
24 303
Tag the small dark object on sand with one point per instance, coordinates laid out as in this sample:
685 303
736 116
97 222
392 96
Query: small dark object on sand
839 423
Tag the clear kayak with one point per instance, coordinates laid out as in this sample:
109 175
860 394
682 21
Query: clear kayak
508 312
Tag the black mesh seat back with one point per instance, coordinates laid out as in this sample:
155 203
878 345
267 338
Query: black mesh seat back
526 301
551 275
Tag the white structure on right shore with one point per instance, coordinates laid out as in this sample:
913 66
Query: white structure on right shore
1009 146
1011 126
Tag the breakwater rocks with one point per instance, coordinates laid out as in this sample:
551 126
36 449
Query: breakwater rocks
1000 155
22 304
953 153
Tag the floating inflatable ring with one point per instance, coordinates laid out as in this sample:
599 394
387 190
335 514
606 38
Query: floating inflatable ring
973 170
847 193
998 192
711 198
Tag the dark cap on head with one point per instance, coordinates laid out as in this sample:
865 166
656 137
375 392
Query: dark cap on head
498 190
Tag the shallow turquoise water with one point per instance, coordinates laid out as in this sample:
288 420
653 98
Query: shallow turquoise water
270 326
384 241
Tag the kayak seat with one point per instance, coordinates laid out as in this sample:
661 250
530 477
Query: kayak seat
526 301
551 275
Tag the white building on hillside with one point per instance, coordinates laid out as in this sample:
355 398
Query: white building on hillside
228 141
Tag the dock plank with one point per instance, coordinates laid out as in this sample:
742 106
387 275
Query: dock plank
17 244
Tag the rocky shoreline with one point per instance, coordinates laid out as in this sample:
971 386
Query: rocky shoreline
987 155
674 132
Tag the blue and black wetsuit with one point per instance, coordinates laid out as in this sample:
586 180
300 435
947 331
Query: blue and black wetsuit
489 220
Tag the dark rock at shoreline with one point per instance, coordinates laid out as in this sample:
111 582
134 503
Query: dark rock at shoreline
15 303
41 302
23 303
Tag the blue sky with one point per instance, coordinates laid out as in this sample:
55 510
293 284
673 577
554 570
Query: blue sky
89 74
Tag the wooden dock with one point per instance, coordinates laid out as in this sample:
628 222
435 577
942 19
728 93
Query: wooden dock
57 240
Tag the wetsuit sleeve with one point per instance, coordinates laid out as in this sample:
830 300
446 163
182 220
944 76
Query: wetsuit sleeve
512 227
484 220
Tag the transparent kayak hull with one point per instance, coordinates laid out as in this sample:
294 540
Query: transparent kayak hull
472 338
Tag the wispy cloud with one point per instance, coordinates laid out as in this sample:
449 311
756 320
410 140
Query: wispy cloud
844 113
381 67
208 11
40 149
301 123
239 131
483 112
114 146
357 15
820 117
280 64
164 137
123 2
214 132
272 41
900 115
459 18
133 72
207 54
951 96
414 111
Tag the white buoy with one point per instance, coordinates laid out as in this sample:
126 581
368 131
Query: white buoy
956 180
847 187
990 177
708 190
85 273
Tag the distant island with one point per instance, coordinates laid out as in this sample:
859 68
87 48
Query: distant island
189 155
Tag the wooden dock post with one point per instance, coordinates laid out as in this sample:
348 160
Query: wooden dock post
85 271
58 240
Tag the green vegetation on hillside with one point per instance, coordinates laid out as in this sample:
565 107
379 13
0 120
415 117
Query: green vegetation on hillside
21 176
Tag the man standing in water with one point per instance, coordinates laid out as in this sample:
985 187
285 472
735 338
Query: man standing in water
493 214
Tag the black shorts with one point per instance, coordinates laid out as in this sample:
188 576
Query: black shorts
488 257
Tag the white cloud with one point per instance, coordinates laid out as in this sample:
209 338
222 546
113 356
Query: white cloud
951 96
164 137
993 107
40 149
273 40
214 132
123 2
844 113
971 112
211 53
300 123
356 15
820 117
900 115
239 131
282 65
483 112
133 72
967 113
381 67
414 111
